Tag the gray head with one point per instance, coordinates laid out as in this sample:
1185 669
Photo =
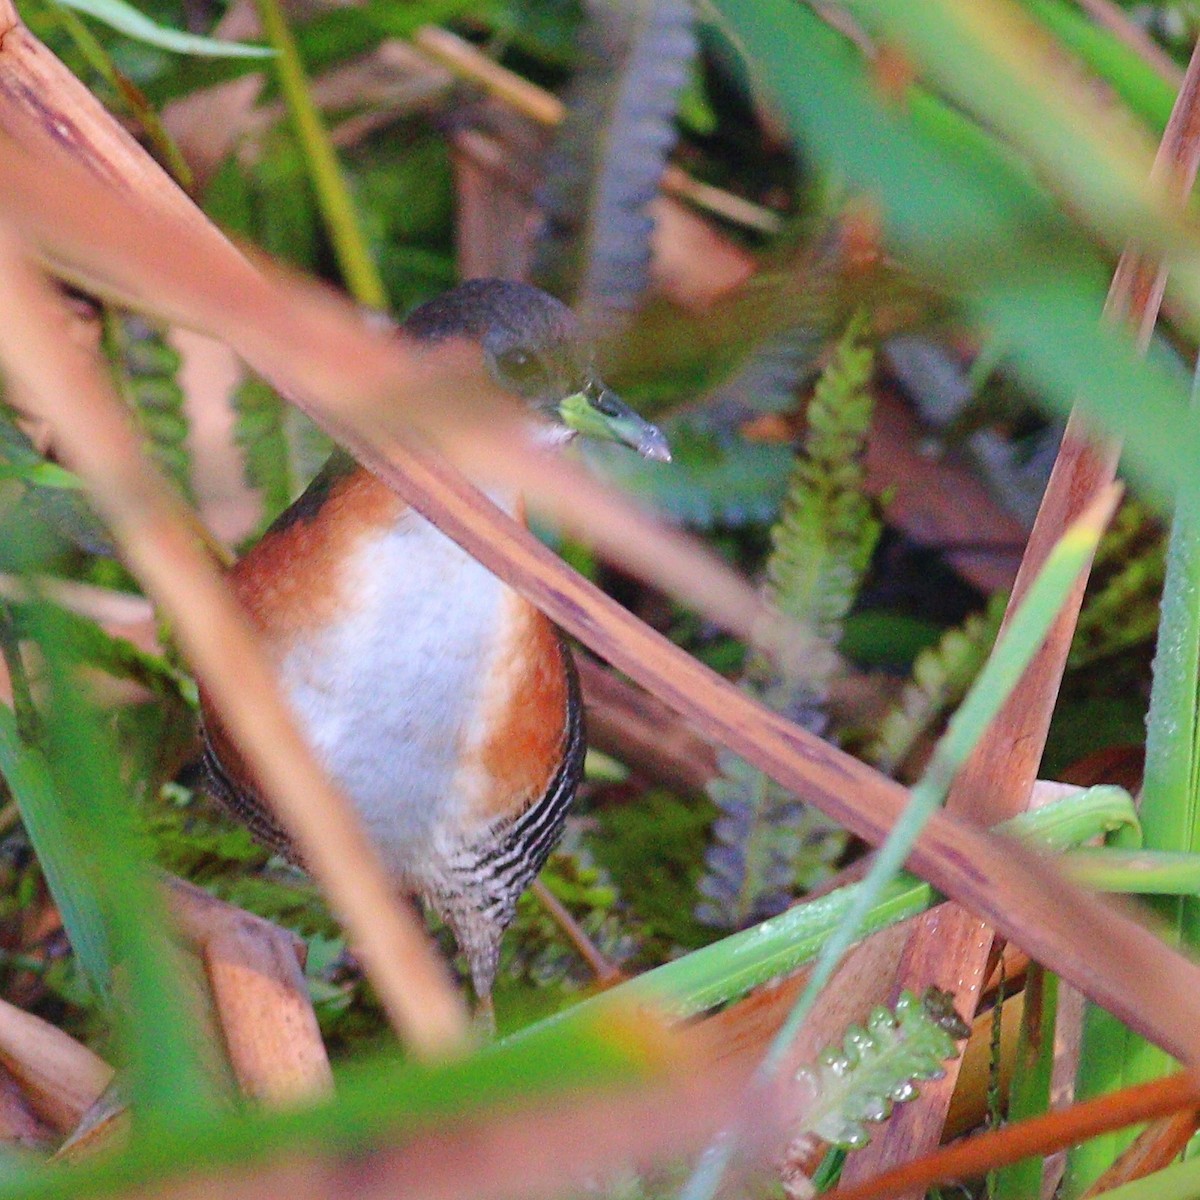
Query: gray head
534 347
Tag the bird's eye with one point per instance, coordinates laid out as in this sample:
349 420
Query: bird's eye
520 366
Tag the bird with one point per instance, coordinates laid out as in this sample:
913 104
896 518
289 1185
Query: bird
444 705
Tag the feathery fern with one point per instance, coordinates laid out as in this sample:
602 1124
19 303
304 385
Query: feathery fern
766 843
1121 608
828 529
281 448
260 435
941 676
610 154
145 367
878 1065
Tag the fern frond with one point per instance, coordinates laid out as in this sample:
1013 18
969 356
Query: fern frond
828 529
941 676
94 646
1124 612
878 1065
766 844
281 448
145 367
611 152
261 435
1121 608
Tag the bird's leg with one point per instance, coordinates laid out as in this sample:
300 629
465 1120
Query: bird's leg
485 1017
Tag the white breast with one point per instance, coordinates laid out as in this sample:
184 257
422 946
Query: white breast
388 695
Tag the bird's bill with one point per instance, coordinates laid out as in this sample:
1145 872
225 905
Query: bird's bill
599 413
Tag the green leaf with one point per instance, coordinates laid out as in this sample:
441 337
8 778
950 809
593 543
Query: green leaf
1135 80
127 20
739 962
1113 1055
1136 872
878 1065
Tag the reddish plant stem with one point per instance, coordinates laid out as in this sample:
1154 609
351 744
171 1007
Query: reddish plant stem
1037 1136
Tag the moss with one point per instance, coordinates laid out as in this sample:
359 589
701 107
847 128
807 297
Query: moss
654 851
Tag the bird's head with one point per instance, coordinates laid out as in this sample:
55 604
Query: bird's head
534 348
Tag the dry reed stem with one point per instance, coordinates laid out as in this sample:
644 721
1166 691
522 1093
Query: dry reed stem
132 244
642 731
950 948
60 1078
1154 1149
255 972
96 439
19 1124
1040 1135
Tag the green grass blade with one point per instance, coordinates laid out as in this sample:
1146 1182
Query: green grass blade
126 19
32 785
732 966
1133 79
1088 147
1113 1056
333 195
1179 1182
88 836
1170 805
1135 872
1029 1092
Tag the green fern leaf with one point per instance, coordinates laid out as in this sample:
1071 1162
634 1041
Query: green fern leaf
878 1065
1121 608
54 500
766 844
941 676
261 435
145 368
1123 612
828 530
